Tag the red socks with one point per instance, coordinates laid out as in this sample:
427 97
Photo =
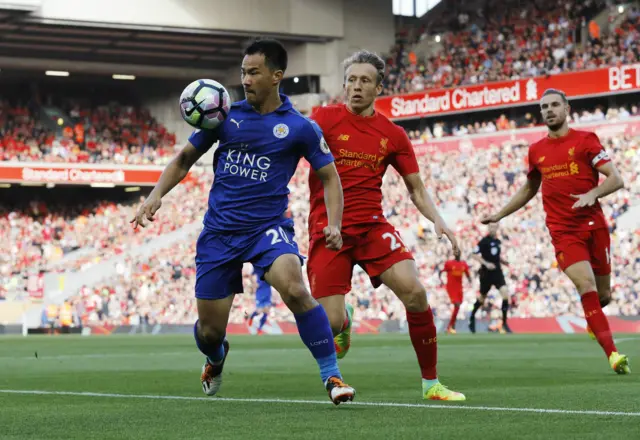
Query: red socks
422 332
454 316
598 321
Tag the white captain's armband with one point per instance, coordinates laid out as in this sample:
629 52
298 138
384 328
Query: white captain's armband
601 156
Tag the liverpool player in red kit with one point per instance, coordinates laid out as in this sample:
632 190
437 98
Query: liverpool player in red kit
364 143
566 163
455 269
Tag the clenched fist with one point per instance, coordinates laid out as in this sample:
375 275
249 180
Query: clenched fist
333 237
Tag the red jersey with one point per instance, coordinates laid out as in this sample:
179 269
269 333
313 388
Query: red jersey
568 166
363 148
455 270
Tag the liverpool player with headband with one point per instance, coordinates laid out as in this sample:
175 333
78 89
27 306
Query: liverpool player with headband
364 143
566 164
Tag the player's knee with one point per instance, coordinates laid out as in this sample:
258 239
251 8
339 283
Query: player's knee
336 321
297 297
584 284
605 296
210 333
415 300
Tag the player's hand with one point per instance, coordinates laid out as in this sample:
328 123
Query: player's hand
333 237
587 199
442 229
486 219
146 211
489 266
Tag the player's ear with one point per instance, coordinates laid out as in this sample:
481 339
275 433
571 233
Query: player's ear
277 76
379 89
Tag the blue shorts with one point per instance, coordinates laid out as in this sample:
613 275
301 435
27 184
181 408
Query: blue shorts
219 258
263 295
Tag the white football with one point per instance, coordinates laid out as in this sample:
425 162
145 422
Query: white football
205 104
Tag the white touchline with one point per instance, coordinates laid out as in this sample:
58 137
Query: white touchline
617 341
323 402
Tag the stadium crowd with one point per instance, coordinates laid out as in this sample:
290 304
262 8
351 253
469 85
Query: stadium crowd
160 289
439 129
508 40
512 40
40 234
110 133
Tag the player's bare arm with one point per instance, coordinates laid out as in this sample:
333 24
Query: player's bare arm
334 202
422 200
484 262
518 201
173 174
611 184
440 277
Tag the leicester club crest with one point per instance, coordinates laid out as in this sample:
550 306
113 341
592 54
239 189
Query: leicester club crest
281 131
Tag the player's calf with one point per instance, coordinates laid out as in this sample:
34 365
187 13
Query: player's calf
209 334
335 308
285 275
583 278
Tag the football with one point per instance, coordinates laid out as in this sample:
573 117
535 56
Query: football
204 104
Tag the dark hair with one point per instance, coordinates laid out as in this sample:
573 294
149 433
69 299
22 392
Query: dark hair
275 55
556 92
366 57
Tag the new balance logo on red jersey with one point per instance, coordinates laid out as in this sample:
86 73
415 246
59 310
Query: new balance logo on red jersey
343 137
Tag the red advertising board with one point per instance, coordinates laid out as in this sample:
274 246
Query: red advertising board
608 80
38 173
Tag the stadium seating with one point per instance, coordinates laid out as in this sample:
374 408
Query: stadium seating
109 133
513 41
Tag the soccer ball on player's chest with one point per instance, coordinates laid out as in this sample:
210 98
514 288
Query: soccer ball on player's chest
205 104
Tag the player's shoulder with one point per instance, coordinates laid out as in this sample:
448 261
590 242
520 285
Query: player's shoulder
540 143
388 126
237 112
238 107
585 136
331 110
582 133
304 125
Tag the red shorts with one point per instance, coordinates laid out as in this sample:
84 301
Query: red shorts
375 251
455 294
592 246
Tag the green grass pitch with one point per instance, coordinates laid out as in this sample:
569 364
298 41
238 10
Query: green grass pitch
517 387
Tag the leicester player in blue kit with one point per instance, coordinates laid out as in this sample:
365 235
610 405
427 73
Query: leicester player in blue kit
263 304
261 142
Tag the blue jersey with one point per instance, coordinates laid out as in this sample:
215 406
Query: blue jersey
253 164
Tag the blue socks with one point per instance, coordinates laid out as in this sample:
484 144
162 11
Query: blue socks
263 320
315 332
215 353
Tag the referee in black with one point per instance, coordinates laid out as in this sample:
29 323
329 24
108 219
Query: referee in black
488 253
